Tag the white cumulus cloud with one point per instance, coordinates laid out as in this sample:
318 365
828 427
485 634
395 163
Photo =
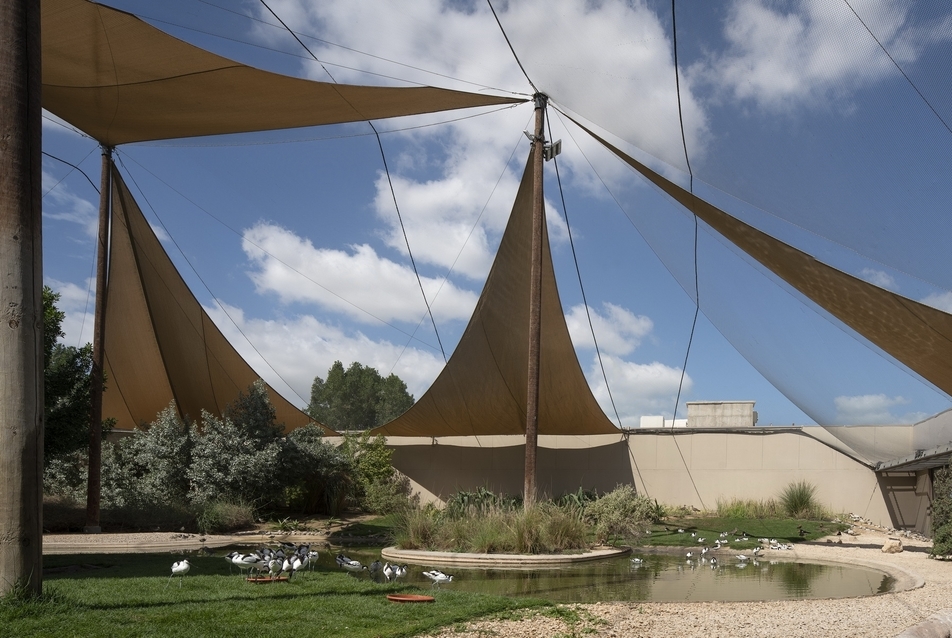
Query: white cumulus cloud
637 389
879 278
358 283
617 330
808 52
940 301
873 409
303 347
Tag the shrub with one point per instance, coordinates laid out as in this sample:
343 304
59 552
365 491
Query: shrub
620 514
157 457
65 476
377 486
391 496
240 457
218 517
320 474
799 501
942 512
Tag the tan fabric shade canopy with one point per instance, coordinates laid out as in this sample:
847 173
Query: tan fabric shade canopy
915 334
121 80
160 345
483 388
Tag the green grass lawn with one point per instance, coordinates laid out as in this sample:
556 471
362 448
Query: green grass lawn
129 595
784 530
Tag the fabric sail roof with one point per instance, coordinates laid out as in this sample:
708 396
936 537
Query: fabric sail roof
121 80
915 334
482 390
160 344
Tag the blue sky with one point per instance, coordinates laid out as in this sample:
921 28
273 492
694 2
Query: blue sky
794 120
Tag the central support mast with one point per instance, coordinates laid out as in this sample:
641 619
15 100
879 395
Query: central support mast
94 478
535 303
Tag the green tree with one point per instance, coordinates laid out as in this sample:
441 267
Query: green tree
357 398
942 512
66 379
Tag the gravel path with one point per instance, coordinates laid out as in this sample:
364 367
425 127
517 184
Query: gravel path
873 616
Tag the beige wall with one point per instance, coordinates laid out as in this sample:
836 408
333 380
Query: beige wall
700 468
681 467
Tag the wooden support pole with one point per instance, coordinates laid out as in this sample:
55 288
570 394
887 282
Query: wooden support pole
535 304
94 476
21 300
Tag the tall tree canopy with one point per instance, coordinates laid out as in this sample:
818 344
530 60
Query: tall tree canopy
357 398
66 378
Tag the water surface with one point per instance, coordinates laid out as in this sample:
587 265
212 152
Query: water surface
659 578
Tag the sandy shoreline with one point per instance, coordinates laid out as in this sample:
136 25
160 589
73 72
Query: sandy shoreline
927 586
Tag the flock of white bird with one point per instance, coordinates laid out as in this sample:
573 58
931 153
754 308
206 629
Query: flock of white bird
699 557
282 563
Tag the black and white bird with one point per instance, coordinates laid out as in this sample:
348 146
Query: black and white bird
231 561
350 564
249 563
438 577
179 568
399 571
388 572
275 567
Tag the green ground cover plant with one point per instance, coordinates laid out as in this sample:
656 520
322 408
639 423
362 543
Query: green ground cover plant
129 595
785 530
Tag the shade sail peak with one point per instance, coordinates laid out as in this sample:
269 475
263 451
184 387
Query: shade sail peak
482 390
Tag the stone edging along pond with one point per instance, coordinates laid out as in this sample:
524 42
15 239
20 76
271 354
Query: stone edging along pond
499 561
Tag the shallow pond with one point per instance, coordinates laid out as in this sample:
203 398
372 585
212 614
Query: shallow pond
659 578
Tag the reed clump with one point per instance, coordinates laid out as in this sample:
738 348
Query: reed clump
542 528
488 523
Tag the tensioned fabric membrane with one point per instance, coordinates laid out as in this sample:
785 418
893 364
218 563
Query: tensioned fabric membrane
918 335
161 346
482 390
121 80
